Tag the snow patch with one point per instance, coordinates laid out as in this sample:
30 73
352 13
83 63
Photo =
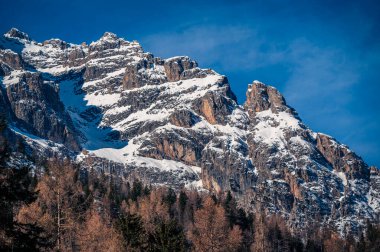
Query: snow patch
342 176
271 127
98 99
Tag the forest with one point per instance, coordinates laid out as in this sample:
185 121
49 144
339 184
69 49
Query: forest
60 207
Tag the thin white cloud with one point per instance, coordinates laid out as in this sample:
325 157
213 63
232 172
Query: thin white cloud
209 45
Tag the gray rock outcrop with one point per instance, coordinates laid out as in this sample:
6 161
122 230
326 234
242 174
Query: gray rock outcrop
114 108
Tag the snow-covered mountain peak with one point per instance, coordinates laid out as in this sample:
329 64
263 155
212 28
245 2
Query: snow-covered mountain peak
15 33
120 110
261 97
110 40
109 36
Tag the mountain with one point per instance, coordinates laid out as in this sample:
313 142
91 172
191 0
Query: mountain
114 108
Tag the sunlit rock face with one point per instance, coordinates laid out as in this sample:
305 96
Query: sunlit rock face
114 108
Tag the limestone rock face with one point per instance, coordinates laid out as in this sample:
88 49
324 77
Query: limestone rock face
170 122
209 107
140 74
37 107
342 158
171 146
9 61
56 43
216 107
225 164
183 118
261 97
174 67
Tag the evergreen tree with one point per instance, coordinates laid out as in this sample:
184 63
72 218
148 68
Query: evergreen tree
146 190
4 147
137 190
131 228
168 236
361 246
170 197
313 246
373 237
276 238
230 208
182 200
245 221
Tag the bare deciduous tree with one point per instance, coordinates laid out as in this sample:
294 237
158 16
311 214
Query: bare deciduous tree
211 230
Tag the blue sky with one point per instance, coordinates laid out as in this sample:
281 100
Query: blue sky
324 56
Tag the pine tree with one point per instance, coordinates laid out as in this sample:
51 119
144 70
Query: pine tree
132 230
137 190
4 146
182 204
373 237
230 208
167 236
182 199
170 197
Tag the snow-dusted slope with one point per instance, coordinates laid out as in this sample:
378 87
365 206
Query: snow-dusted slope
167 121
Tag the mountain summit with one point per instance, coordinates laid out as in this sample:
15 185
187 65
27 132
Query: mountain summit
114 108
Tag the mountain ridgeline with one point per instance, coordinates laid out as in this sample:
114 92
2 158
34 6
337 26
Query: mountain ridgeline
113 108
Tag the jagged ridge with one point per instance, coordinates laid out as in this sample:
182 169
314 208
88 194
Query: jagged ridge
167 121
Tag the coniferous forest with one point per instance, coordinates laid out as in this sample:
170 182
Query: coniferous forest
59 207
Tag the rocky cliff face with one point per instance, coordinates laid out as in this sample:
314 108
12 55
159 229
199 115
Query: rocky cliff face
115 108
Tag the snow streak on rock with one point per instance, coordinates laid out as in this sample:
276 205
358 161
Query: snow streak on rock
115 108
